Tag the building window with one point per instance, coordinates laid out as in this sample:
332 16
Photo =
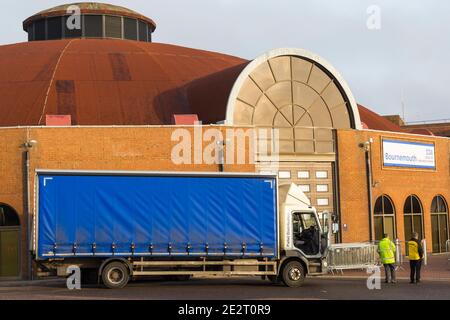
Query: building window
93 26
321 174
8 216
322 188
384 218
143 31
284 174
322 202
113 27
130 28
412 213
54 28
39 30
305 187
30 32
71 33
303 175
439 224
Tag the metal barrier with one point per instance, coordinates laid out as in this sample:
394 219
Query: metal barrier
348 256
447 249
352 256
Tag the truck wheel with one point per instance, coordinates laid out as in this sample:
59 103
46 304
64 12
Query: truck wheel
293 274
115 275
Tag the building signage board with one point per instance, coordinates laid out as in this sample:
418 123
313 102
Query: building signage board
408 154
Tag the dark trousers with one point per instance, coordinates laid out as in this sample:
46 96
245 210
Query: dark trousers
415 266
389 271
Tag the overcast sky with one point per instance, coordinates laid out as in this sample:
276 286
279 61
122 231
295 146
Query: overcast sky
408 54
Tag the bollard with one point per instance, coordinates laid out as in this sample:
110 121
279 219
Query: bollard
398 253
425 254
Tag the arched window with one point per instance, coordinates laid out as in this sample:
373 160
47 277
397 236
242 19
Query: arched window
8 216
439 224
412 213
384 218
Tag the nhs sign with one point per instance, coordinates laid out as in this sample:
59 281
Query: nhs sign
408 154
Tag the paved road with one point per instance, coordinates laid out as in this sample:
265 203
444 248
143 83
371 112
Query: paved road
240 289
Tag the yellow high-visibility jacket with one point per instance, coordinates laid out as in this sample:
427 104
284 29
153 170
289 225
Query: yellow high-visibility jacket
415 251
386 249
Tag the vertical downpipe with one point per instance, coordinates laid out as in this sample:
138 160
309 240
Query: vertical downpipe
29 221
369 191
221 155
29 237
26 209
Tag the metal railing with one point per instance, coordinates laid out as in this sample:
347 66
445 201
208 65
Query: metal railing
352 256
425 254
398 253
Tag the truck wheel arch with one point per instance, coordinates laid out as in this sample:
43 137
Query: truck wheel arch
123 260
293 256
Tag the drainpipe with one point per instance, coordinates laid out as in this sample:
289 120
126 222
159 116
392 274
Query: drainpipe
220 155
367 152
29 222
28 145
221 145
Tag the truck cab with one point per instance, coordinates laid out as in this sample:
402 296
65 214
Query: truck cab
302 237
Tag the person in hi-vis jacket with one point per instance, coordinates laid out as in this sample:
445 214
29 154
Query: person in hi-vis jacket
415 253
386 249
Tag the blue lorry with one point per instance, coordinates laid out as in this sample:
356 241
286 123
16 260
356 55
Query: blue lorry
120 225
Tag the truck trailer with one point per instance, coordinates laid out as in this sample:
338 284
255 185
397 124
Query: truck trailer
121 225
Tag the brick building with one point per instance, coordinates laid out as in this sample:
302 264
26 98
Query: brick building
120 98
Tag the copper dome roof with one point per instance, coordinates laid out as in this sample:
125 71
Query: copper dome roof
103 82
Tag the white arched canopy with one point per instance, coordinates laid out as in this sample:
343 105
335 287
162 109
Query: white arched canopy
298 93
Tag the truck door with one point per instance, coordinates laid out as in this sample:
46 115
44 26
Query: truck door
306 233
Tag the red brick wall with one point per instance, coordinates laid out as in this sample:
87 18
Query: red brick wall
87 148
396 183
